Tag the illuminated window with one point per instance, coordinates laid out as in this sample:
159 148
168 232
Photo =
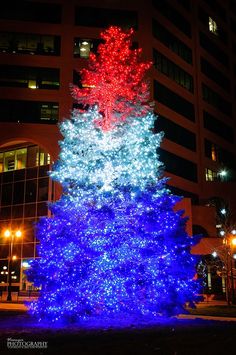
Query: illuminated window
21 155
9 161
213 26
1 162
210 175
213 152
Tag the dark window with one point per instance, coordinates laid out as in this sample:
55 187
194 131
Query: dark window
216 126
43 170
17 211
6 194
233 25
176 133
30 191
172 42
18 192
185 3
214 99
29 77
173 71
232 6
31 11
179 192
97 17
172 100
29 43
7 177
214 74
42 209
30 210
178 166
173 16
43 189
213 49
19 175
29 230
28 250
28 111
217 8
5 213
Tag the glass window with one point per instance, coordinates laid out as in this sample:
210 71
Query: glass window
29 111
214 74
30 191
9 161
28 250
178 166
172 100
213 49
43 189
5 213
17 211
31 173
6 194
175 133
31 11
216 100
43 170
29 77
1 163
27 43
30 210
211 175
83 47
42 209
29 230
18 192
19 175
213 26
98 17
172 42
173 71
21 155
173 16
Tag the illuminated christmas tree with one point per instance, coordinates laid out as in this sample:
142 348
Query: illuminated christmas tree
114 247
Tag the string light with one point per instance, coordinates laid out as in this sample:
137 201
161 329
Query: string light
113 247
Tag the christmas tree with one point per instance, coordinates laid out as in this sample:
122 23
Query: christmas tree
113 247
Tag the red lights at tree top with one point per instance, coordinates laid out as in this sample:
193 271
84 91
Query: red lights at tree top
114 80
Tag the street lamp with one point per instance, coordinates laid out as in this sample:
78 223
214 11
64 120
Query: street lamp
11 236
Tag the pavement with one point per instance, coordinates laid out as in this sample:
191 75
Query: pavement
19 306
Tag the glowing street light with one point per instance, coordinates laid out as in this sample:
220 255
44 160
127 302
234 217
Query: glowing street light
11 235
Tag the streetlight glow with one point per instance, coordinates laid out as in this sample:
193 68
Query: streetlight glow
7 233
223 173
18 233
233 241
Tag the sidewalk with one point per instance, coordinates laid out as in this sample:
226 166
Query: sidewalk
10 306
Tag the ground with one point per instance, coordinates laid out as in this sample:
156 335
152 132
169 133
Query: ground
184 336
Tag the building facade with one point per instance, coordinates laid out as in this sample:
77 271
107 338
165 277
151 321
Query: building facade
192 44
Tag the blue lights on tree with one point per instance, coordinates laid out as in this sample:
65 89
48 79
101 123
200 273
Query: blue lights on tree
114 247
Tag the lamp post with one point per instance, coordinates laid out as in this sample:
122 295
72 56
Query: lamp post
11 235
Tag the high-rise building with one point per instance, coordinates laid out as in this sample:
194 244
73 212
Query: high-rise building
192 44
